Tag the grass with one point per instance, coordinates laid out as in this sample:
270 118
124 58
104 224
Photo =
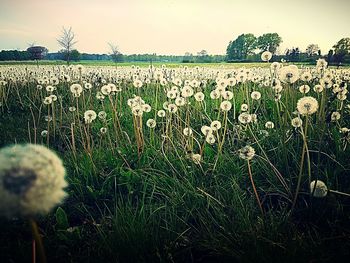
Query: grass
160 206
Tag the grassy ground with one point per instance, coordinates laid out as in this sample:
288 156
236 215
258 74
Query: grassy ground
162 207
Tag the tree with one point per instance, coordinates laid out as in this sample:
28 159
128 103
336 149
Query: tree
67 41
293 54
37 52
202 53
312 50
74 55
341 50
115 53
241 47
269 41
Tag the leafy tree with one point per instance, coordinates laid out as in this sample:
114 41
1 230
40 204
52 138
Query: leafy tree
330 56
341 50
269 41
313 50
37 52
67 42
241 47
293 54
74 55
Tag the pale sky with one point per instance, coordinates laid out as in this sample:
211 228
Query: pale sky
171 26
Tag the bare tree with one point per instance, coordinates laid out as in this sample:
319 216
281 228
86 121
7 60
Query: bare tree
115 53
67 41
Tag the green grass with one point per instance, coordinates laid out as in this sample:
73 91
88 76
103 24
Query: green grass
162 207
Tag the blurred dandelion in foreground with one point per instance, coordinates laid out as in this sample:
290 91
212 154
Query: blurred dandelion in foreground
31 180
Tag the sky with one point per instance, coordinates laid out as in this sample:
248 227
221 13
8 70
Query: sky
171 27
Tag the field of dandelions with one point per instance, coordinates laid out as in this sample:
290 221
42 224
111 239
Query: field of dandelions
185 164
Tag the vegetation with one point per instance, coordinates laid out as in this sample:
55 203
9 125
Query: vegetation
186 164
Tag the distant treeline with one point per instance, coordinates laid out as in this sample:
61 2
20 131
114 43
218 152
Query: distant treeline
291 55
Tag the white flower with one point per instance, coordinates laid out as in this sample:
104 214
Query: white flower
289 74
256 95
89 116
199 96
206 130
161 113
106 90
225 105
318 88
44 133
210 138
76 89
269 125
187 131
266 56
244 107
247 153
307 105
335 116
50 88
151 123
31 180
297 122
304 89
137 111
186 92
215 94
196 158
215 125
146 108
180 101
72 109
103 130
171 94
244 118
137 83
318 189
47 100
102 115
172 108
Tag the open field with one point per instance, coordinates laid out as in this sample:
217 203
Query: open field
171 164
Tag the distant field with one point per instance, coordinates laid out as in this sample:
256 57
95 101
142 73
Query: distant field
140 64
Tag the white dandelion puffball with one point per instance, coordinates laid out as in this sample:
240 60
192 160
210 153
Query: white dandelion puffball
225 105
297 122
215 125
187 131
244 118
255 95
196 158
266 56
151 123
318 189
89 116
199 96
31 180
307 105
304 89
247 153
76 88
269 125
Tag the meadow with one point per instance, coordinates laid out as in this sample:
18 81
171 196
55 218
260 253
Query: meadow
200 163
